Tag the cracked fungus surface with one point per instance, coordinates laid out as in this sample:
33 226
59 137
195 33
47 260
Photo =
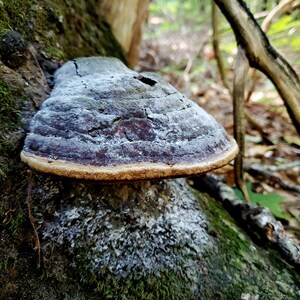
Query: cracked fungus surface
142 229
101 113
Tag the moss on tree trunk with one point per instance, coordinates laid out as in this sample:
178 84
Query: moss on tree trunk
61 29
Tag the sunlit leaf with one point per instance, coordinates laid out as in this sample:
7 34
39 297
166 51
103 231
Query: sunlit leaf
284 23
292 140
253 139
271 201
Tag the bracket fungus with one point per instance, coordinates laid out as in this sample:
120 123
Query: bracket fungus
106 122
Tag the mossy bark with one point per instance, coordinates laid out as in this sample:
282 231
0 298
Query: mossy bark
61 29
229 266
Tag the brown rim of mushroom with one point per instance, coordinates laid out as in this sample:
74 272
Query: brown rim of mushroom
127 172
107 123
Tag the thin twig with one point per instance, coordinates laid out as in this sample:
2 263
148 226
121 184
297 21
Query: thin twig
216 42
240 73
276 12
37 246
33 54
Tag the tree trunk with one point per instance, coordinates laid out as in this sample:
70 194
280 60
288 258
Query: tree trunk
127 18
63 239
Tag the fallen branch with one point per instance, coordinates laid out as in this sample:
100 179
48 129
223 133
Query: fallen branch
256 220
282 167
258 170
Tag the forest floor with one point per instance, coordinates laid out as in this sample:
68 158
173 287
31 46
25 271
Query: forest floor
187 61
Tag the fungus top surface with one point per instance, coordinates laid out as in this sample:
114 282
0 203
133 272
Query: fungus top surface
104 121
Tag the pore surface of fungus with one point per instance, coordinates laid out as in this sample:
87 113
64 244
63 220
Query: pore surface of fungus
106 122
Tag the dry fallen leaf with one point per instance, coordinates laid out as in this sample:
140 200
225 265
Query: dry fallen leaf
260 151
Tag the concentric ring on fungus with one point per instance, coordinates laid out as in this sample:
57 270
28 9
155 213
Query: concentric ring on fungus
106 122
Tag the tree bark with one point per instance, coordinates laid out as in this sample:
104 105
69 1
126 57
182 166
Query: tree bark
263 56
216 43
238 95
144 240
127 19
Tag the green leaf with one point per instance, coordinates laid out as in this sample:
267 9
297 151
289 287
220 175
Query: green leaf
271 201
292 140
283 24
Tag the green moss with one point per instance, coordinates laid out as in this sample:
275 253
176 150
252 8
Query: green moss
236 251
54 53
9 121
7 102
3 32
10 219
9 116
53 23
167 286
11 216
3 265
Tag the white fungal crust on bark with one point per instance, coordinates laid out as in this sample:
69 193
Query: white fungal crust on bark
139 228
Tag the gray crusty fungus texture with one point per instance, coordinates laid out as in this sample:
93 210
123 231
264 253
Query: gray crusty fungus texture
135 229
106 122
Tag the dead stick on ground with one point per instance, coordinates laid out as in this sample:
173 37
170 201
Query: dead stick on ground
258 170
31 218
282 167
258 221
240 74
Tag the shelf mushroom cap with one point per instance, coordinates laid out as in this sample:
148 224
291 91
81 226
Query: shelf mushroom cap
108 123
